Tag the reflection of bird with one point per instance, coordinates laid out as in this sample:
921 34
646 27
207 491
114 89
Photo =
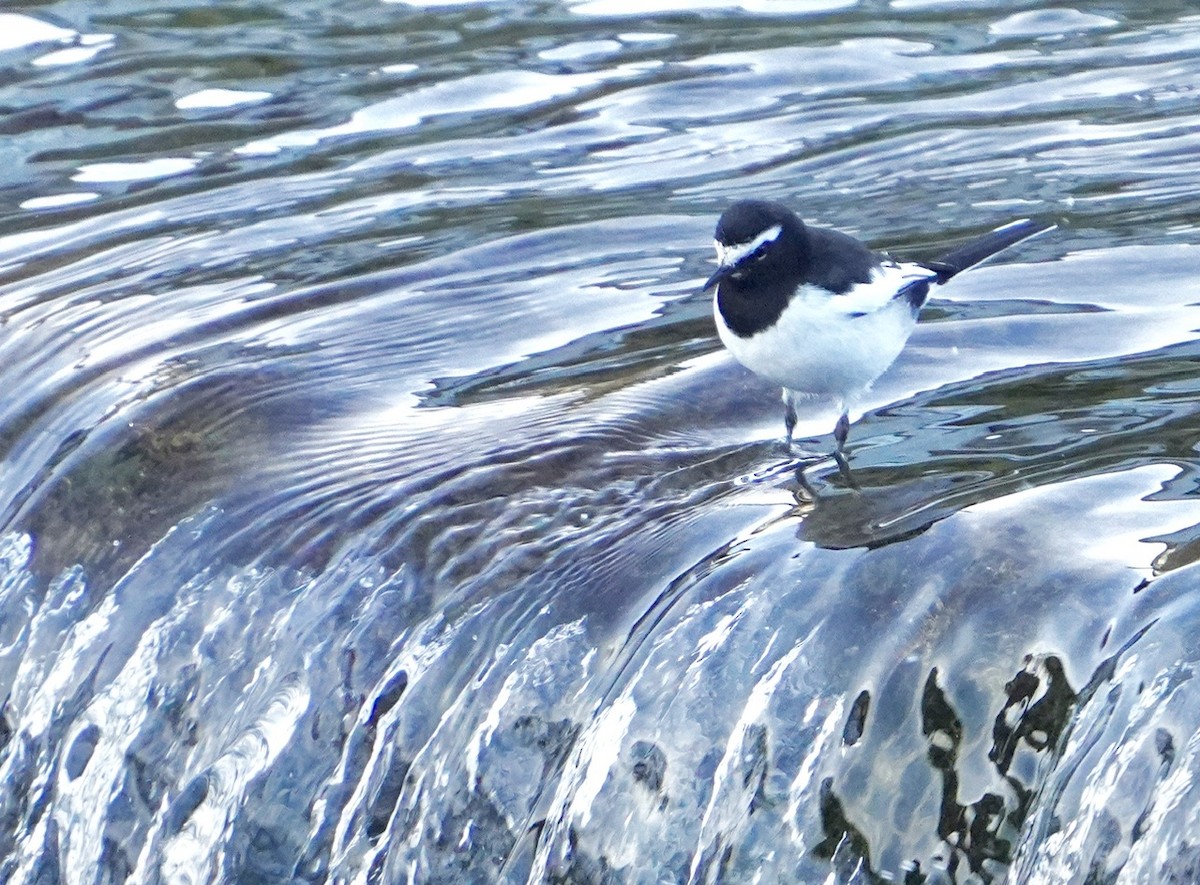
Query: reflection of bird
816 311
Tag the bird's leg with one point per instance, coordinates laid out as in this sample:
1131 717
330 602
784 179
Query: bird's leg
789 417
840 431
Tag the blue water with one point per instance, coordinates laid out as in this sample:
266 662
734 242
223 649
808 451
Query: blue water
379 506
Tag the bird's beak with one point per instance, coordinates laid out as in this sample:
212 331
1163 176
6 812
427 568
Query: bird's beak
719 274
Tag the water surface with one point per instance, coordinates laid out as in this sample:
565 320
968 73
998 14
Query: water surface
379 505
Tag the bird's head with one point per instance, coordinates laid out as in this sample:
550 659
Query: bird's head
757 239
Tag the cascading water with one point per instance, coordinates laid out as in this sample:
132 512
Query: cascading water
379 506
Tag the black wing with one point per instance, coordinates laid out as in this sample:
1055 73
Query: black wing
837 261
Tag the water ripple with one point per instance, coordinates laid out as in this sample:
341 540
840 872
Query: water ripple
378 501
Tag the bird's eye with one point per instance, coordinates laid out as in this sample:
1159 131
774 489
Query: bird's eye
760 253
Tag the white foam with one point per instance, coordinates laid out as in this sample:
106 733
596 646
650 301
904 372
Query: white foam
194 854
601 746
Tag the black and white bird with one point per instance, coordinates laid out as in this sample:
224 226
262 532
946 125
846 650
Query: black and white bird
816 311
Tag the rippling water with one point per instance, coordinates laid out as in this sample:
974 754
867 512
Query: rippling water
379 506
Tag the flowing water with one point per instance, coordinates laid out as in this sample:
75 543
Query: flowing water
378 505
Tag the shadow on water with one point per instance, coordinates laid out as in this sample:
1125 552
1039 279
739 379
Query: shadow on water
1009 432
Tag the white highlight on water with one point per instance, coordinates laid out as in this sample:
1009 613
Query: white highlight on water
17 31
197 852
207 99
721 817
601 746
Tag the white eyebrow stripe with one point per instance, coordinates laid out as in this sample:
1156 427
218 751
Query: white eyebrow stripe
727 256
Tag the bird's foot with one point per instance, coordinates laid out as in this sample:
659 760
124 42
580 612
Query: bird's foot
841 430
843 464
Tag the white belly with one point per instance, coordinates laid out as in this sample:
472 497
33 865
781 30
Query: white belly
819 347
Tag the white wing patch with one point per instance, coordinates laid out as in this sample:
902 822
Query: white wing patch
727 256
887 281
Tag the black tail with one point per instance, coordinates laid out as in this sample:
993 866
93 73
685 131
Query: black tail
982 248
